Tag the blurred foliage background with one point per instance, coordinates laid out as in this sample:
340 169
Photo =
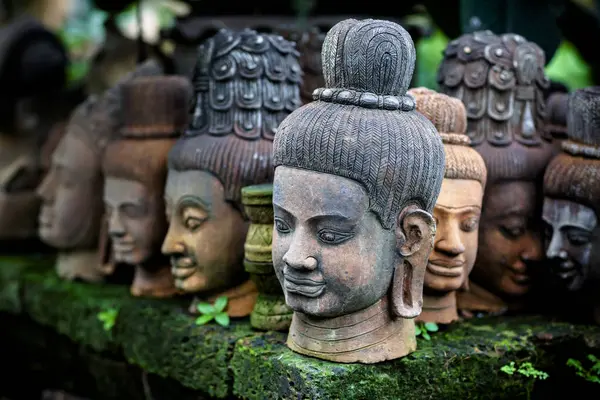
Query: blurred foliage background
566 29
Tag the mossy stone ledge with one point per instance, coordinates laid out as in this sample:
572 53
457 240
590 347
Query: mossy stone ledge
157 339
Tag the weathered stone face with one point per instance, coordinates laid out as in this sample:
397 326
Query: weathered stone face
571 233
73 186
135 218
509 238
206 233
331 254
457 214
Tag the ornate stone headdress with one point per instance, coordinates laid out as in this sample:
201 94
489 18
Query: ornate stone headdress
245 84
500 80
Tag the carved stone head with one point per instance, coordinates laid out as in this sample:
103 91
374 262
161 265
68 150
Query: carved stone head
245 84
74 184
458 208
32 76
500 79
572 195
135 169
357 174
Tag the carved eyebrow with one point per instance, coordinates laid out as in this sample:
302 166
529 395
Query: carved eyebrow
280 208
459 209
194 201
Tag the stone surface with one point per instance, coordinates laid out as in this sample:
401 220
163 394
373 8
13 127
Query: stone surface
155 349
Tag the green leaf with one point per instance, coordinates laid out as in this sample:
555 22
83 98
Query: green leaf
508 368
222 319
417 330
426 335
205 308
220 303
431 326
204 319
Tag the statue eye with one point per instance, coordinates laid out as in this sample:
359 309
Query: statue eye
578 238
193 223
281 226
333 237
470 224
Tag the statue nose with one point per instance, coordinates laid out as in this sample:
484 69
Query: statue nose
301 263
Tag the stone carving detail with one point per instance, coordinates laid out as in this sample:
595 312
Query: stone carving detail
270 311
457 211
355 182
500 80
74 185
572 204
245 84
135 169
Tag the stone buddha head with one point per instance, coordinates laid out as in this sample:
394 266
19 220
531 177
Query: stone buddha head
245 84
458 208
74 184
572 196
358 172
501 81
135 170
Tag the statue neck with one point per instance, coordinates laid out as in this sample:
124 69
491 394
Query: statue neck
369 336
479 299
153 280
439 308
79 264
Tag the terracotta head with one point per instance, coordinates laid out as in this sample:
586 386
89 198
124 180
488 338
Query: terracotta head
500 79
245 84
74 183
357 174
572 195
458 208
135 166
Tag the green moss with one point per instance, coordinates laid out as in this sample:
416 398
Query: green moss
11 268
459 362
165 341
159 338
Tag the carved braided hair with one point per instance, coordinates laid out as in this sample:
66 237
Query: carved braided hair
363 126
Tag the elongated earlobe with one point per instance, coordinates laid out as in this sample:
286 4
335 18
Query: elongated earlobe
415 231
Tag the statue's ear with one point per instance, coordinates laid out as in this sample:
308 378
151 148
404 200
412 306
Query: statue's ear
415 231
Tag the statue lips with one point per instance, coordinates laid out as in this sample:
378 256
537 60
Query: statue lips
303 286
519 273
446 268
564 269
182 267
122 246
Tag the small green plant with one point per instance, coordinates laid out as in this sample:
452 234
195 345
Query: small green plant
108 318
525 369
213 311
423 328
590 375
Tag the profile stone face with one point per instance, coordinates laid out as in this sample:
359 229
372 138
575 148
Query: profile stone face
135 169
500 80
353 229
74 184
245 84
572 203
457 211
